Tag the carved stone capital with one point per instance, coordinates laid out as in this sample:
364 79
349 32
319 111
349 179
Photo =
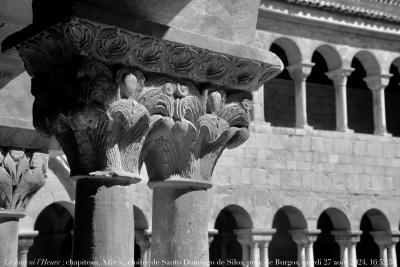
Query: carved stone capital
339 76
115 99
300 72
91 110
189 129
22 174
304 237
377 82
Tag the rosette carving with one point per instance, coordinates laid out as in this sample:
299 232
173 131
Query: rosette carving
150 51
101 127
80 35
22 174
214 66
189 130
112 44
182 59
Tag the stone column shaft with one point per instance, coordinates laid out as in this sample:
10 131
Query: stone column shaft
176 229
305 245
9 237
255 256
258 103
25 242
377 85
143 240
339 78
386 242
104 222
347 241
299 74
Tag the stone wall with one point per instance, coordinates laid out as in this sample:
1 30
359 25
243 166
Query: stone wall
310 170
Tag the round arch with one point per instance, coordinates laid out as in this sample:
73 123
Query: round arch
331 56
396 62
241 216
296 218
291 49
141 222
338 218
369 62
378 219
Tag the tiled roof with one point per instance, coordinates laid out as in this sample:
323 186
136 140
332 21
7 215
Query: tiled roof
362 10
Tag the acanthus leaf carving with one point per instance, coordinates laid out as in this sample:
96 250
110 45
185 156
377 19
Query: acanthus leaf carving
188 130
103 129
22 174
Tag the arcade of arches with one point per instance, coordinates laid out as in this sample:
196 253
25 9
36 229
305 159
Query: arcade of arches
235 242
323 94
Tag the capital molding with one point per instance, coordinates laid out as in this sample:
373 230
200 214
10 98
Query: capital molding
339 76
22 174
300 72
378 82
304 236
80 37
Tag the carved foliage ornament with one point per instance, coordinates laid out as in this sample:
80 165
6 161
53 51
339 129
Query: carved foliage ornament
79 37
22 173
110 119
189 130
94 116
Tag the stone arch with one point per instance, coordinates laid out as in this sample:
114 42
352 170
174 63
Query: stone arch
331 56
291 48
54 240
379 220
369 62
282 246
295 216
373 221
141 222
392 98
329 221
225 244
336 209
339 219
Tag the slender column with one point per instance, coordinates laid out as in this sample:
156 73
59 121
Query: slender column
339 78
386 242
25 242
305 245
344 250
255 254
377 85
347 241
258 105
299 74
143 240
392 254
263 237
244 238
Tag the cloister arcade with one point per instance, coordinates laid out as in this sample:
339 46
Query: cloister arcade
336 241
333 87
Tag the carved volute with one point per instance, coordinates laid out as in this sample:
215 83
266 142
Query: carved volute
22 174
